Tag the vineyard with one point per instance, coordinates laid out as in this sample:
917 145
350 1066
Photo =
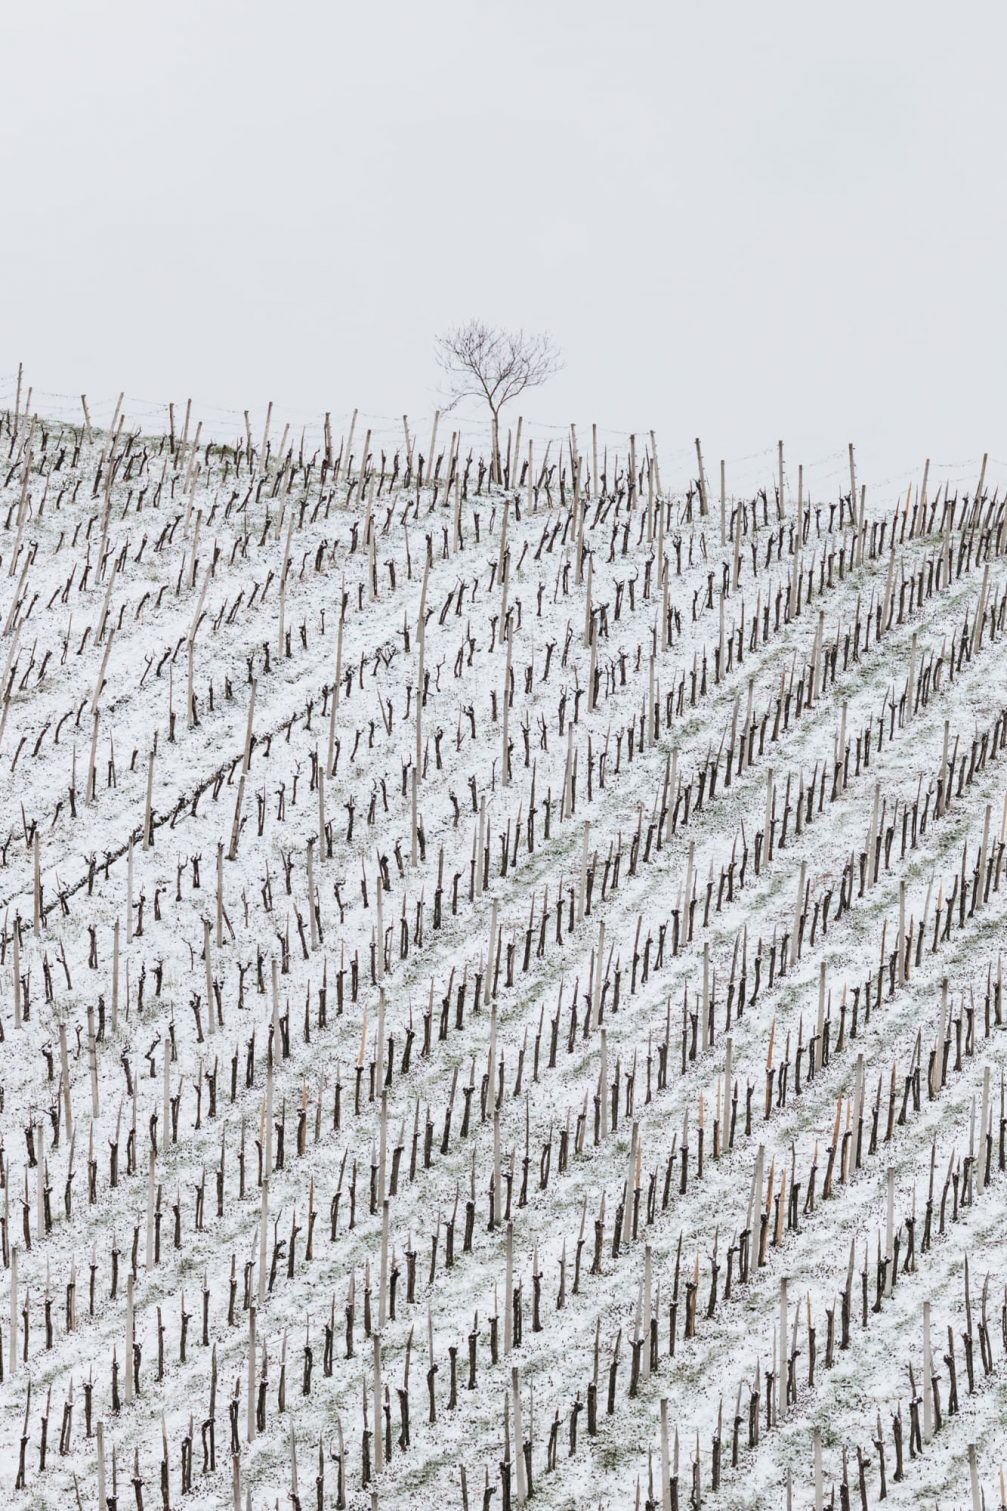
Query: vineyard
502 986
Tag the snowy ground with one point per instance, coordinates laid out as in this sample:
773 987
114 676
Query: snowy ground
143 633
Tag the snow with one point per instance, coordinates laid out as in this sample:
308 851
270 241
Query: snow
120 553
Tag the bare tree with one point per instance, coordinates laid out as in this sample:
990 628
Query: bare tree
495 365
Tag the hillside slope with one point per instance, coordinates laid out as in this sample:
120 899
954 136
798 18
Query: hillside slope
502 984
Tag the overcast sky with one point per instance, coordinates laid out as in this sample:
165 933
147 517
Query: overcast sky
741 222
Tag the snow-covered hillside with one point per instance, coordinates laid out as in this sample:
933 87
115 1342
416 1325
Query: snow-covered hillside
501 982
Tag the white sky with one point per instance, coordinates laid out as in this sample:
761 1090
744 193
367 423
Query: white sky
739 221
